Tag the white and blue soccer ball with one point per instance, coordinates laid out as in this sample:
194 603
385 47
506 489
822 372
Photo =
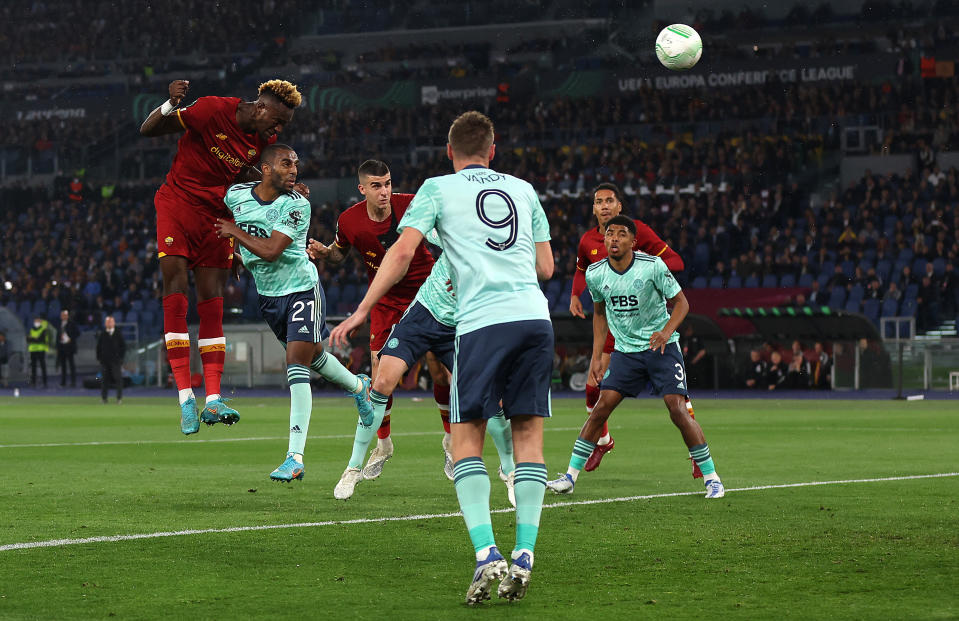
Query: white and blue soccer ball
678 47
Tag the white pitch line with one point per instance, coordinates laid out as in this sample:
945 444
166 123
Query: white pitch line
54 543
213 440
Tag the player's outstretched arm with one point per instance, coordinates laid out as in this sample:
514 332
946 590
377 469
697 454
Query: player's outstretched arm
268 248
658 340
544 260
600 330
163 119
331 254
392 270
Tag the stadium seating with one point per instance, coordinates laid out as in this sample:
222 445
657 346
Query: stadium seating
908 308
856 293
837 298
939 266
870 308
889 308
546 135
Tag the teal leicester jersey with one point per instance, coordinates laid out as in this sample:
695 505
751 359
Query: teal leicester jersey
289 214
635 299
433 293
489 223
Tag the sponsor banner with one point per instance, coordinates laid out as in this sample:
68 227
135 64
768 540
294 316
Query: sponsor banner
434 93
401 94
63 109
734 75
408 93
51 113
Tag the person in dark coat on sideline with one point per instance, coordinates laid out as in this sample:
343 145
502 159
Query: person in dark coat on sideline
67 348
110 351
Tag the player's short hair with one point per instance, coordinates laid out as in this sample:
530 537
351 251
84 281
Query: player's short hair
269 153
284 92
372 168
471 134
622 220
612 187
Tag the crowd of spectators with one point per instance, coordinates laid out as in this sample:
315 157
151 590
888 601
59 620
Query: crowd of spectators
714 171
100 30
885 246
550 133
769 368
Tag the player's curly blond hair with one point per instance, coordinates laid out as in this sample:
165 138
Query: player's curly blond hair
285 91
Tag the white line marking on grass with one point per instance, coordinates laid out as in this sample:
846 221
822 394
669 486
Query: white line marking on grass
214 440
55 543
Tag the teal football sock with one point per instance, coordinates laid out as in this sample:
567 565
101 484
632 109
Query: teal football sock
472 490
529 487
582 449
700 454
502 433
364 434
332 371
301 405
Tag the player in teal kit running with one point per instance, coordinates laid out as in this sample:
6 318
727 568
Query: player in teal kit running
496 238
271 225
429 324
630 290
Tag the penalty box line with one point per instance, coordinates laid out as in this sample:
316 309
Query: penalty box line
56 543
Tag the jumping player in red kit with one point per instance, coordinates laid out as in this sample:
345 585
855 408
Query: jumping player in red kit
370 227
608 202
222 140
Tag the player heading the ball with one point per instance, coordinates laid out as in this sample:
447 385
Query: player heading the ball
223 139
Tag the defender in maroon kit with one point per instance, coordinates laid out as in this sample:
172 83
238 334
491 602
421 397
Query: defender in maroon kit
370 227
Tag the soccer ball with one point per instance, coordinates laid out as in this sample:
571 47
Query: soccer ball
678 47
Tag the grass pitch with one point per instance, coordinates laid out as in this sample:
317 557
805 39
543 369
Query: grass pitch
76 469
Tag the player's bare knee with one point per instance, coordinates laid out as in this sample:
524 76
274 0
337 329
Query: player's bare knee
386 380
382 385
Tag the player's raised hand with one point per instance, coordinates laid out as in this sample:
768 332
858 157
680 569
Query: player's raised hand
340 335
225 228
302 188
576 307
316 251
178 89
658 340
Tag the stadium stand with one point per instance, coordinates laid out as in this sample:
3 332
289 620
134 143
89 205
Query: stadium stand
722 175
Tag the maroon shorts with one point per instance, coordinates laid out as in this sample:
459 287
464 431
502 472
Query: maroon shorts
610 343
382 320
186 230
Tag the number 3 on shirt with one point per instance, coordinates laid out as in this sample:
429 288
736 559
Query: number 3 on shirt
508 221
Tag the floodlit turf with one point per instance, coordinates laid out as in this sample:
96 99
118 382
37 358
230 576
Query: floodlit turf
886 550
